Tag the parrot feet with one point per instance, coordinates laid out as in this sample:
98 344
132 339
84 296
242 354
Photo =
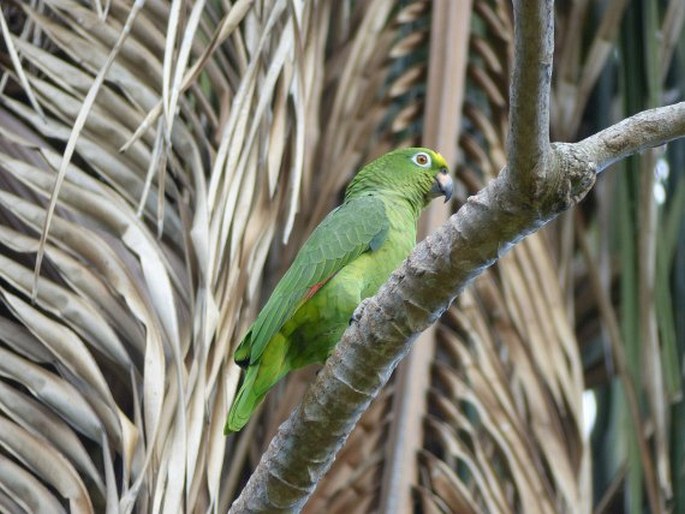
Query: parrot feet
356 315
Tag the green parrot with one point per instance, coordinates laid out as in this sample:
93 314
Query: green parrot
346 259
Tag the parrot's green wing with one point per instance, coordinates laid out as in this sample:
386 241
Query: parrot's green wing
357 226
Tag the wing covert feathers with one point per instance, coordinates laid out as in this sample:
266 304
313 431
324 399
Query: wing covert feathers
357 226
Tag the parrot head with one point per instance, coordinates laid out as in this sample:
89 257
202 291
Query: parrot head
419 174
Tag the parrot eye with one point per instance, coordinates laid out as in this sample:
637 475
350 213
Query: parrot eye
422 159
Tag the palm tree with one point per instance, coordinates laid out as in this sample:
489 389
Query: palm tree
154 158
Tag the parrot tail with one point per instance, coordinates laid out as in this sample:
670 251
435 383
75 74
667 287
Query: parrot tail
245 402
259 378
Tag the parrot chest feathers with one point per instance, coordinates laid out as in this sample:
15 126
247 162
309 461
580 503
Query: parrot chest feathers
376 265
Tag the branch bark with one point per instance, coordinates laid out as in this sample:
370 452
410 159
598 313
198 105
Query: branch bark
440 267
646 129
531 83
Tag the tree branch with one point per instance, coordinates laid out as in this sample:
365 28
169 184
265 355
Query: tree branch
531 80
644 130
440 267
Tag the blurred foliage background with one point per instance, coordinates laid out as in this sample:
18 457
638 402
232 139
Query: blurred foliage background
161 161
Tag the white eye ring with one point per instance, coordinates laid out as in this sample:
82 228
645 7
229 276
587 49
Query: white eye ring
422 159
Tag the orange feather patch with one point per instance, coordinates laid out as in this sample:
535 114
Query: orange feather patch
315 288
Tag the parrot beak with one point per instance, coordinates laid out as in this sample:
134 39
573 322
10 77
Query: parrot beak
443 185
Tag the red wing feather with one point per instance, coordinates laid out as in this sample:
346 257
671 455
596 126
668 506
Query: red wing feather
315 288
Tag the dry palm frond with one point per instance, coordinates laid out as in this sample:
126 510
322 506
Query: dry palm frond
126 347
160 246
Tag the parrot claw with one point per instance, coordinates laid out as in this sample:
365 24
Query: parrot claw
357 314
